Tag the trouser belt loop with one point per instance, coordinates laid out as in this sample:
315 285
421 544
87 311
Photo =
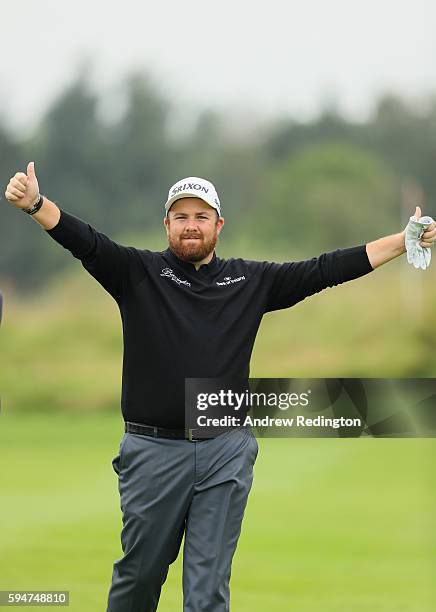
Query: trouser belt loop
155 432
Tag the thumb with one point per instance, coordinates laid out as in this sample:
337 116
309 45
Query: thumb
31 170
418 212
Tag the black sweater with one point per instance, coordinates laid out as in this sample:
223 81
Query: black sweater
182 323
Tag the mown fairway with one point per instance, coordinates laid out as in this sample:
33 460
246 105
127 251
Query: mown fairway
332 525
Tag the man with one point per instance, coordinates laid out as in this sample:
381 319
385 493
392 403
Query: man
186 314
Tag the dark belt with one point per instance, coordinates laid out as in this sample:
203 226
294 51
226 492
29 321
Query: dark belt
161 432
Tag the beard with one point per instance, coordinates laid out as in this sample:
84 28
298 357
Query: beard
192 250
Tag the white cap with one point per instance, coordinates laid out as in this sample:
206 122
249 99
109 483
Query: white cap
193 187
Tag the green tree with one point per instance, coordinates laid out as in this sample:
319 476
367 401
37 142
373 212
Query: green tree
329 196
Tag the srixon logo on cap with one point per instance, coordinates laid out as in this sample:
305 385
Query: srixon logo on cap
186 186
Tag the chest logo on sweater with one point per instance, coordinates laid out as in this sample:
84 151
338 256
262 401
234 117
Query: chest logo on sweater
228 280
168 273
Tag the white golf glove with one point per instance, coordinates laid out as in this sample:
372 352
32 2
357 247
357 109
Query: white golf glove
417 255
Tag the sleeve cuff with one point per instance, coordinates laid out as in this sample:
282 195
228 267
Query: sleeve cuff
58 227
355 260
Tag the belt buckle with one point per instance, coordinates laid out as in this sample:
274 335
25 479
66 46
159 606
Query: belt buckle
190 436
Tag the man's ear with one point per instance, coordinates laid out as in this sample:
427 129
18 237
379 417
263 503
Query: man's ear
166 222
219 224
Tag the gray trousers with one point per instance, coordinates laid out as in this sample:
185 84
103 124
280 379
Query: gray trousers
173 487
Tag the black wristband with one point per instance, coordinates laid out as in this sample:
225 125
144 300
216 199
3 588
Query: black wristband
34 209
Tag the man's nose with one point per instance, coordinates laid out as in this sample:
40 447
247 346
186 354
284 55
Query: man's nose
191 225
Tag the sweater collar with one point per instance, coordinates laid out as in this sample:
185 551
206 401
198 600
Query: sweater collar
188 266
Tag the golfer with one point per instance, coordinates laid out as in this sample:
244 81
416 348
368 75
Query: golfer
186 313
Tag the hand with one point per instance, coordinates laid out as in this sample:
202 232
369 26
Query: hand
428 237
419 237
23 190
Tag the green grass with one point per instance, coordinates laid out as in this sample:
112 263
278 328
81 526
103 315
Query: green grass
331 525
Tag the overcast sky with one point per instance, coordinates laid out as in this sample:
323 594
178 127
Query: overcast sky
258 57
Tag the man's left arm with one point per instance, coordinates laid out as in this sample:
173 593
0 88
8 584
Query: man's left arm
291 282
389 247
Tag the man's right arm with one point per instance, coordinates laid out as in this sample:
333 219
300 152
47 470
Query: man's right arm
48 215
103 258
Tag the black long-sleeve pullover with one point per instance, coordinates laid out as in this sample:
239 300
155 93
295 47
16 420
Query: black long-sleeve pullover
182 323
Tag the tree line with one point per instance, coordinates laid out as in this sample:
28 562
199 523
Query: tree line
317 185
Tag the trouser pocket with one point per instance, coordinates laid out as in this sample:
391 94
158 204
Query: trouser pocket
118 460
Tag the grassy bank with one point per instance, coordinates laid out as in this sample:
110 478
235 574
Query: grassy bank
63 348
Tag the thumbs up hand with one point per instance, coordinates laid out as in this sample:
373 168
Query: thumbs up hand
420 235
23 190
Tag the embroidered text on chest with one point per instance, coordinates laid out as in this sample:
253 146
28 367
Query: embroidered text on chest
228 280
168 273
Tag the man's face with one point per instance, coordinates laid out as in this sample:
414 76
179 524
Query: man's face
192 228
